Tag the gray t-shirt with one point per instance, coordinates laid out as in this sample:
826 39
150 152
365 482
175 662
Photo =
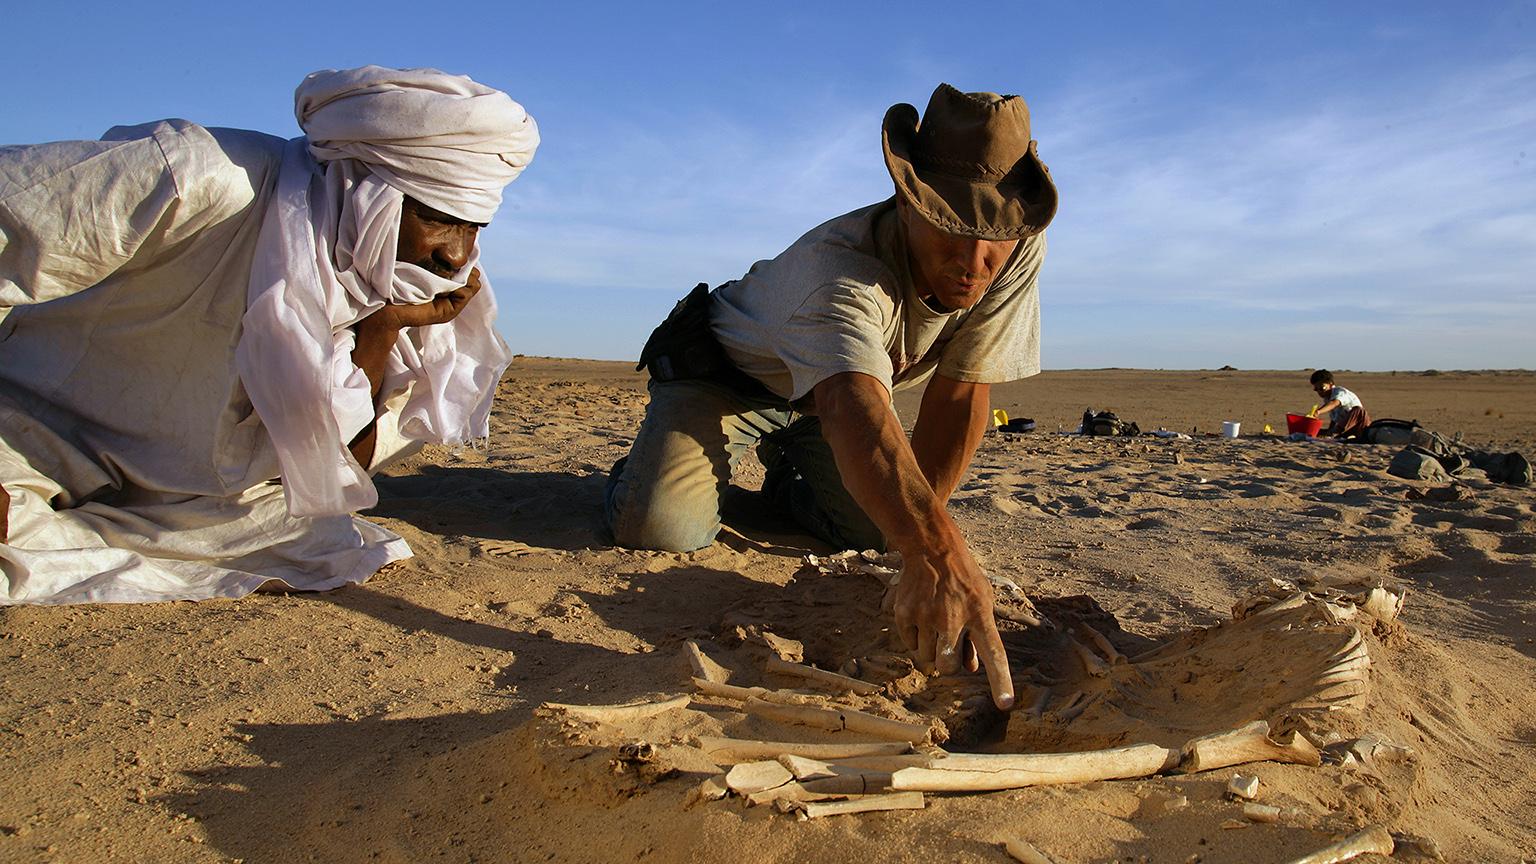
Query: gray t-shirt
841 299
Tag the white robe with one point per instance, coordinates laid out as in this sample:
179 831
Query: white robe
136 466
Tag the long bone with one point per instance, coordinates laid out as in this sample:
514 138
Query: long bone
1250 743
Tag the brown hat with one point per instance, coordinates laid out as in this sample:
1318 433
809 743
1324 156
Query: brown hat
970 167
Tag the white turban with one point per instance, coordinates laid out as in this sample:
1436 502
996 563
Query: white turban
444 140
325 260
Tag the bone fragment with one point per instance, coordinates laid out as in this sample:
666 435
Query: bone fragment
1230 824
1369 751
854 783
866 804
1250 743
821 676
702 666
749 777
1023 851
1373 840
839 719
615 713
732 691
729 751
789 794
980 772
1067 715
1261 812
710 789
1383 605
1245 786
867 775
1102 642
1091 662
804 768
727 691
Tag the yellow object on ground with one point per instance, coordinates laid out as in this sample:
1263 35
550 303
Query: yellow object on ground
999 417
1267 430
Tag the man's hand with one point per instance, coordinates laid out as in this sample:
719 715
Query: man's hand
376 337
944 613
439 310
943 601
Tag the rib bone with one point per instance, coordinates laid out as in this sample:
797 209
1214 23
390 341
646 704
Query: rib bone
613 713
821 676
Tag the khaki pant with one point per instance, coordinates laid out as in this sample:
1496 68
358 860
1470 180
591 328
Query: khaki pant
666 493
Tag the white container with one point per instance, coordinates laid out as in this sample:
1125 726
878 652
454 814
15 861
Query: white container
1230 428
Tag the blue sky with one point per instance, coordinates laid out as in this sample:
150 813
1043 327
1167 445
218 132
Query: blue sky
1350 185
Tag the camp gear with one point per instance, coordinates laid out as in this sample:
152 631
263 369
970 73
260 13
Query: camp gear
1511 468
969 167
1106 423
1412 463
1389 431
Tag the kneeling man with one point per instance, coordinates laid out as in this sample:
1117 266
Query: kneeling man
210 337
801 354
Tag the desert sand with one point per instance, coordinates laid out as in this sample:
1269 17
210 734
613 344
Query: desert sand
400 720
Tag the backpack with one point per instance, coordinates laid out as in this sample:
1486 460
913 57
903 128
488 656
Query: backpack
1411 463
1389 431
1106 423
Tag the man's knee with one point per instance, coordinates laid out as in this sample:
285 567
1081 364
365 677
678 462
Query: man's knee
648 521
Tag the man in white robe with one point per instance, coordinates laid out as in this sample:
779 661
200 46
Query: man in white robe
210 337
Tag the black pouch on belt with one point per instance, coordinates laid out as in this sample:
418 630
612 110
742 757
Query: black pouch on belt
683 348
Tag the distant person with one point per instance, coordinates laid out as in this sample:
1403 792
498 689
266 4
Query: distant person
210 337
1347 416
800 357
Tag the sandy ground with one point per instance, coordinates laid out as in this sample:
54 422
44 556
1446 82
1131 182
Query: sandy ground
397 720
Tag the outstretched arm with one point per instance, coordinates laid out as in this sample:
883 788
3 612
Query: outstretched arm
377 334
950 424
943 601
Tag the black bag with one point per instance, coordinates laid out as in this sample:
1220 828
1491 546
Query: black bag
683 348
1389 431
1106 423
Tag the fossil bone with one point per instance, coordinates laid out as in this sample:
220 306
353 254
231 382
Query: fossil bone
839 719
980 772
821 676
1250 743
1245 786
749 777
702 666
1375 840
614 713
866 804
1102 642
729 751
1261 812
1026 853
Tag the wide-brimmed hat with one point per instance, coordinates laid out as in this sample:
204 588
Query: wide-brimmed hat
969 167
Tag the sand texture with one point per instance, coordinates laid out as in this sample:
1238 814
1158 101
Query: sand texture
400 720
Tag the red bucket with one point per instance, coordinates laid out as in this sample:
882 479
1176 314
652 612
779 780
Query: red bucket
1309 426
